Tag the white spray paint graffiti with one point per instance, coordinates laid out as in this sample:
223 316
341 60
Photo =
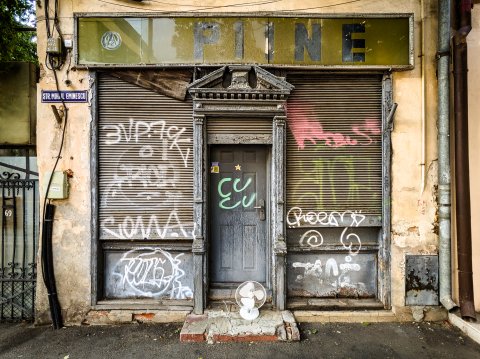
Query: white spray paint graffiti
310 269
351 246
296 218
135 227
329 274
331 268
138 184
148 177
344 280
153 130
314 238
152 272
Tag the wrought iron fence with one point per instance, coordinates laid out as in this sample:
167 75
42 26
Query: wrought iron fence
19 226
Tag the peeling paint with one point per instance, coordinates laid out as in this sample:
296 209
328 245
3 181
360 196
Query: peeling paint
421 281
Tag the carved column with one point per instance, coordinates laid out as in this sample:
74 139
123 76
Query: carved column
198 246
384 276
278 211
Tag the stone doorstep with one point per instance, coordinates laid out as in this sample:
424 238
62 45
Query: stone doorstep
218 326
371 316
290 318
109 317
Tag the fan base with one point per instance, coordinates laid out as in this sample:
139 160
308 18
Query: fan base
249 314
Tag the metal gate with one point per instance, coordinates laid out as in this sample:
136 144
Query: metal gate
19 226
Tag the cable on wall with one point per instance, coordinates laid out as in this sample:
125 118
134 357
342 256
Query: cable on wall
54 60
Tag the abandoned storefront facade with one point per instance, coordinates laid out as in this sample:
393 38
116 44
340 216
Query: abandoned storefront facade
207 149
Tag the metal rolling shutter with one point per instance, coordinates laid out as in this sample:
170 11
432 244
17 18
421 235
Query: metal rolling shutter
334 147
145 149
334 186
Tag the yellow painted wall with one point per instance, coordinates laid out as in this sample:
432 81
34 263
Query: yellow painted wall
474 140
414 175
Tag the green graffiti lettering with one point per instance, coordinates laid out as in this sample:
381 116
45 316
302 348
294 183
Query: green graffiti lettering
226 197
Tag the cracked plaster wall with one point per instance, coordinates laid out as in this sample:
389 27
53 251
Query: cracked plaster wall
473 41
413 211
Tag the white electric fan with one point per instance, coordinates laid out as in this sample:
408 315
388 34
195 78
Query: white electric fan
250 296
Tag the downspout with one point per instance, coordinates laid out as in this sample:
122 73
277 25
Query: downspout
424 115
444 202
463 25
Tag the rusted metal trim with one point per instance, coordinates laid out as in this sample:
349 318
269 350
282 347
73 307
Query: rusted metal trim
278 14
462 170
326 68
94 198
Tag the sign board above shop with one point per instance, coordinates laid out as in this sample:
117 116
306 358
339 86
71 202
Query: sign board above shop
366 42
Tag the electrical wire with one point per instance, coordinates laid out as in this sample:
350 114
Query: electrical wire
233 5
53 63
47 18
323 6
56 21
218 6
63 135
196 7
58 155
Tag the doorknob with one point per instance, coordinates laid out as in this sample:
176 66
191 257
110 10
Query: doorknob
261 209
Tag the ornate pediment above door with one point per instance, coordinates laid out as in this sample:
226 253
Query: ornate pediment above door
240 90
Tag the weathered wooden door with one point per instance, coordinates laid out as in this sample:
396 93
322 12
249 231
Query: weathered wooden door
238 226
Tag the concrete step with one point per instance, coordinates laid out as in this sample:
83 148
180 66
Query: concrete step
221 326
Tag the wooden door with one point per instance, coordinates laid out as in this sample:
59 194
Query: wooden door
238 225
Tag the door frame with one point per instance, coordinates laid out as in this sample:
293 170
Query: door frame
268 241
237 92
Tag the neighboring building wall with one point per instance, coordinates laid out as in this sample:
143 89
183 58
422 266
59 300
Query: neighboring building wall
414 176
17 104
474 140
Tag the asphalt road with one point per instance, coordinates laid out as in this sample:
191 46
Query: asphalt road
382 340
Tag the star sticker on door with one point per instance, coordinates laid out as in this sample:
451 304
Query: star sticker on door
238 168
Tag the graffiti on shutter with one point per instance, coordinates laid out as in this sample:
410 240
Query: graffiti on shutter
145 187
334 185
145 163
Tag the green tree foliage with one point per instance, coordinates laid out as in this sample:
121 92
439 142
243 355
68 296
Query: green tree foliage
16 44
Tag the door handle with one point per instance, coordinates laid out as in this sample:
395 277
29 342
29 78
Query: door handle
261 210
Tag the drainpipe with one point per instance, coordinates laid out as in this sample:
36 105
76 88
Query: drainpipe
463 25
444 201
423 91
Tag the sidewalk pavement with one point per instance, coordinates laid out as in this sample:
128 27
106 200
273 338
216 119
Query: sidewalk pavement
318 340
471 329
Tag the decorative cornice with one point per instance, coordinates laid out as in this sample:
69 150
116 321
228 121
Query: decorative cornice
263 87
280 120
199 119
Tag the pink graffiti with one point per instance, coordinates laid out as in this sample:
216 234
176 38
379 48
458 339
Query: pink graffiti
304 129
307 129
371 127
